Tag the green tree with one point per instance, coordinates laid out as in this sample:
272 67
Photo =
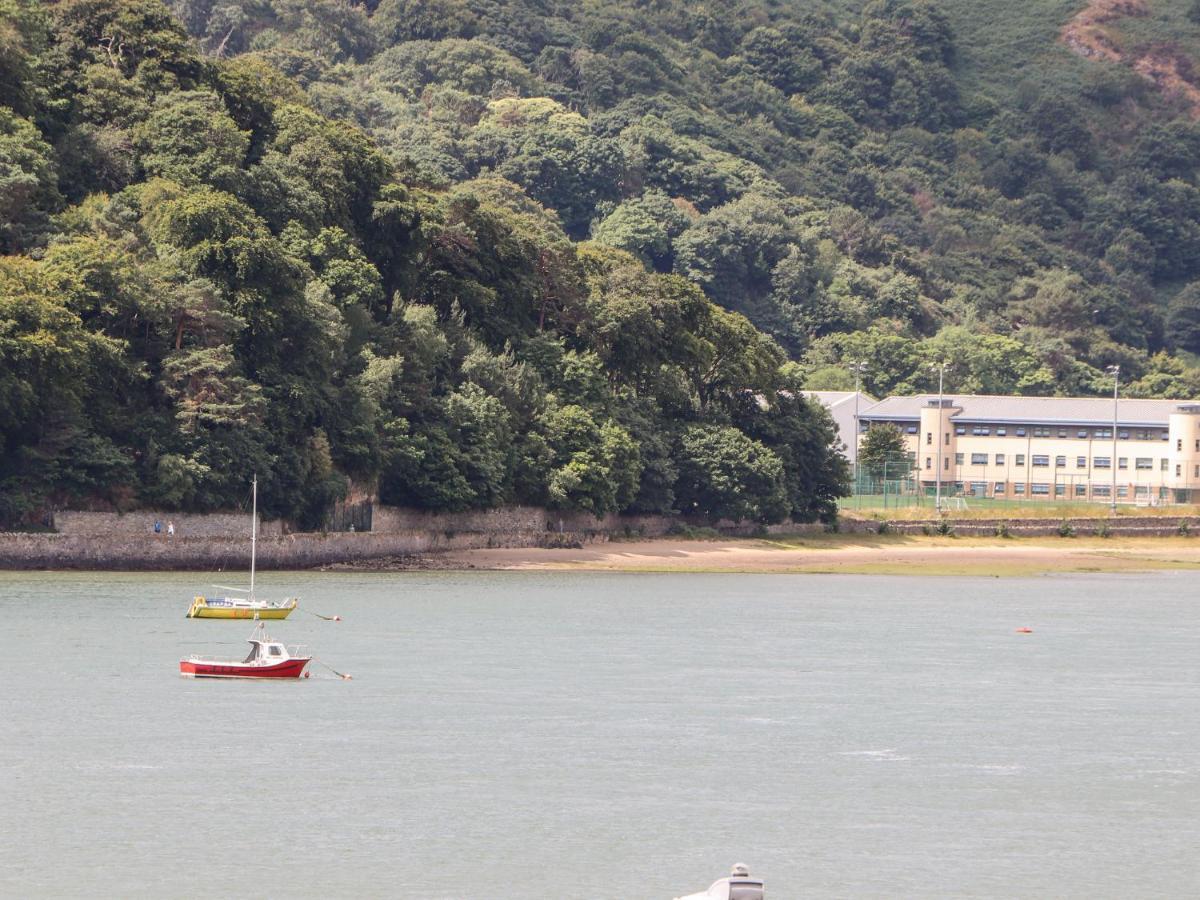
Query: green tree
1183 318
28 193
725 475
882 445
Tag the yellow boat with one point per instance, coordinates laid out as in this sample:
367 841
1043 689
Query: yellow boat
239 608
248 607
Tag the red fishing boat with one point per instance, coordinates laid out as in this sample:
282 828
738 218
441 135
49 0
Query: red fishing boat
267 659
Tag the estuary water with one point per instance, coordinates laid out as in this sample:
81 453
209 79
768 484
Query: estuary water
595 736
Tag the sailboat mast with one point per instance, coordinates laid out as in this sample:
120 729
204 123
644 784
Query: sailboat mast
253 533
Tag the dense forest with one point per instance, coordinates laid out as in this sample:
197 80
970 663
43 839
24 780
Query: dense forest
472 252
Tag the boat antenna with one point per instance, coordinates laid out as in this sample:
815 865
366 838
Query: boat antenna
253 533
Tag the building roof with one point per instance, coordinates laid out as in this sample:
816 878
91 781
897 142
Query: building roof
830 399
1022 410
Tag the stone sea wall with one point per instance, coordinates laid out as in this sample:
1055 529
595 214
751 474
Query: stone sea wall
293 551
107 540
141 523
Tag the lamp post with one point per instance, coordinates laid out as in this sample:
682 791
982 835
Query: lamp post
857 367
937 503
1115 371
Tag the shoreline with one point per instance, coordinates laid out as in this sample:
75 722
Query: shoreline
854 554
857 553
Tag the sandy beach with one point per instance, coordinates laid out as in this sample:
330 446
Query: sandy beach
852 554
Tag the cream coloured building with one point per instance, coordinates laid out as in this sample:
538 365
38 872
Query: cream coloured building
1043 448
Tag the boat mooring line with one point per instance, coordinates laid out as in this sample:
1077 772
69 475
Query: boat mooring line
342 675
334 618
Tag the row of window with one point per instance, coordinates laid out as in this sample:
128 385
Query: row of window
1080 433
1039 461
979 489
1123 434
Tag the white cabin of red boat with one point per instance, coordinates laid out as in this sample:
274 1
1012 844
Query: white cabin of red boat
266 652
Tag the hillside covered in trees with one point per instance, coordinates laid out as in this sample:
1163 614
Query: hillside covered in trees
205 276
583 254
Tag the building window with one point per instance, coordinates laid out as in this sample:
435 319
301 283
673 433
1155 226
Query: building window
961 429
1081 490
1040 489
1062 432
1166 435
928 463
1060 462
1041 432
929 439
1142 435
1020 459
979 459
978 488
1103 432
998 488
911 429
1198 471
1082 432
1198 445
1123 435
1040 461
1122 490
946 464
1020 432
1102 462
1060 490
1143 462
1123 462
1019 488
999 459
1179 445
1101 490
1141 490
1081 462
947 440
1162 465
1178 470
1002 431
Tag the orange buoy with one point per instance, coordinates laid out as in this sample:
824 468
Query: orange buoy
1024 631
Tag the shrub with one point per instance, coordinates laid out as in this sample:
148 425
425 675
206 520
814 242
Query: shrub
1102 530
1002 530
1066 529
1184 529
944 527
884 528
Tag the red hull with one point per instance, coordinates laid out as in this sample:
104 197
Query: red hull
198 668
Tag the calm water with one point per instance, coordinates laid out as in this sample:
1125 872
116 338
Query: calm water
606 736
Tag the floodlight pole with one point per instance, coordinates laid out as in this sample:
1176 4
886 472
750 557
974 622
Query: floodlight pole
857 367
938 475
1115 371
